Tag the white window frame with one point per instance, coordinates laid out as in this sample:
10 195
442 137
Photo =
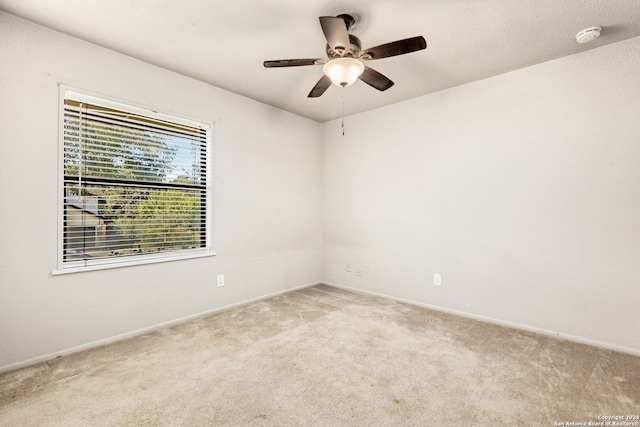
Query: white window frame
63 266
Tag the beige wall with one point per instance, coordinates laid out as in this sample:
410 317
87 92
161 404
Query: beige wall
266 192
522 190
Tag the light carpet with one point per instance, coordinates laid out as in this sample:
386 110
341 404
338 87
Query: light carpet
323 356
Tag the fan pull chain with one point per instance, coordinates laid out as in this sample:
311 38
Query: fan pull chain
342 110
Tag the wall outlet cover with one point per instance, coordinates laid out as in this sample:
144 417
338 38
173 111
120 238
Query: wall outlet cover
437 279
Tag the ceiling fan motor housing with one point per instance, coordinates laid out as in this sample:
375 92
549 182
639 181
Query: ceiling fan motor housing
348 20
353 50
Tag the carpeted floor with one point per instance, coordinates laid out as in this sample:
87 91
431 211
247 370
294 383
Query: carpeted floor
322 356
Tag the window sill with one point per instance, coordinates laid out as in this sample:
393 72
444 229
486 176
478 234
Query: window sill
129 263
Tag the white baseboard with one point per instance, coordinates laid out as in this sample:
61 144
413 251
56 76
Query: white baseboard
142 331
553 334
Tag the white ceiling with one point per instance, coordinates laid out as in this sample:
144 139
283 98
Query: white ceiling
224 42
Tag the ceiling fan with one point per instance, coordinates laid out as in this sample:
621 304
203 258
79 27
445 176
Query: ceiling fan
346 58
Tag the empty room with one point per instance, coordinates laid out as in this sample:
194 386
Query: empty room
328 213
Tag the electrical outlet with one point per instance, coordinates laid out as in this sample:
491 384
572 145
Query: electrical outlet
437 279
220 280
348 268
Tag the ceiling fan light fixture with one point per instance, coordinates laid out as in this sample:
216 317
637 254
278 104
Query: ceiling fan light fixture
343 71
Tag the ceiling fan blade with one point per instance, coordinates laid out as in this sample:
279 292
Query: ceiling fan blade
335 31
291 62
375 79
320 87
399 47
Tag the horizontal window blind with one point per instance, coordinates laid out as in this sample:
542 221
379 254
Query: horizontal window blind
135 184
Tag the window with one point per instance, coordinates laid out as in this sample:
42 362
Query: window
135 185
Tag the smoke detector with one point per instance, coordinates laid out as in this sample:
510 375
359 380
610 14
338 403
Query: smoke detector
588 34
